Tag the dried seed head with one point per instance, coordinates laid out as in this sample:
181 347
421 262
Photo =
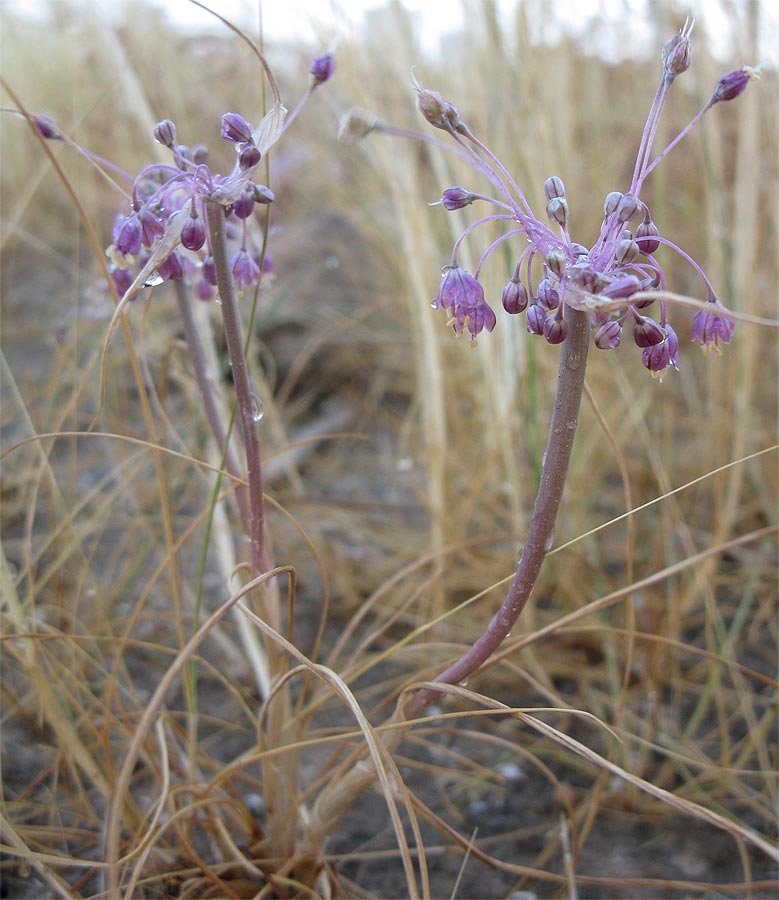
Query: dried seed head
355 124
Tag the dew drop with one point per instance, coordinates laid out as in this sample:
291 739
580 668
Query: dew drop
549 541
258 408
153 280
218 300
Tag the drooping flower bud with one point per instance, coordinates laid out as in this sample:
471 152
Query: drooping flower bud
536 317
646 235
165 133
659 357
152 226
646 332
236 129
209 271
514 297
555 328
547 295
322 67
171 269
244 205
248 156
193 234
608 336
262 194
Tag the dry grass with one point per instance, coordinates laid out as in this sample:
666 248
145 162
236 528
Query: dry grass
623 743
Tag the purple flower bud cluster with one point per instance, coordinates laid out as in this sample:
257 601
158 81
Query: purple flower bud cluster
553 271
163 235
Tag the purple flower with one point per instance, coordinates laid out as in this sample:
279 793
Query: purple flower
236 129
462 296
171 269
127 236
458 289
322 68
555 328
46 128
245 270
457 198
731 85
608 336
660 356
712 325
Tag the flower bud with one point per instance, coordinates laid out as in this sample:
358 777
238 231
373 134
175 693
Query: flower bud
171 269
46 128
627 207
608 336
263 195
733 84
554 187
199 154
355 124
623 286
248 156
514 297
322 67
646 235
646 332
209 271
557 210
165 133
677 53
555 329
611 203
536 316
244 205
547 295
236 129
457 198
579 250
433 107
193 234
627 252
556 261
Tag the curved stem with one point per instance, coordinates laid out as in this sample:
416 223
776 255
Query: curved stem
339 796
570 384
232 325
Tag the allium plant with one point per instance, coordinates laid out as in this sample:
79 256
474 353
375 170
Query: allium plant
182 222
571 295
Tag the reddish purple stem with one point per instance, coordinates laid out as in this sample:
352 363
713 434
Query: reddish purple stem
540 536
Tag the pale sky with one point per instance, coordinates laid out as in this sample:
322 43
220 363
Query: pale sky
316 20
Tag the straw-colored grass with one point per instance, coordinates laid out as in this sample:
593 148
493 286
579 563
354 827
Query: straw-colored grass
623 740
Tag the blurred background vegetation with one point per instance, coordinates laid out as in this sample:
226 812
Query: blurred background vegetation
409 460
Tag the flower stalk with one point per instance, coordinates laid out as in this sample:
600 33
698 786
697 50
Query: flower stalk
215 218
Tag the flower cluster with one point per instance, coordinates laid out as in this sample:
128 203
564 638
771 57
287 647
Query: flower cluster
163 235
603 278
